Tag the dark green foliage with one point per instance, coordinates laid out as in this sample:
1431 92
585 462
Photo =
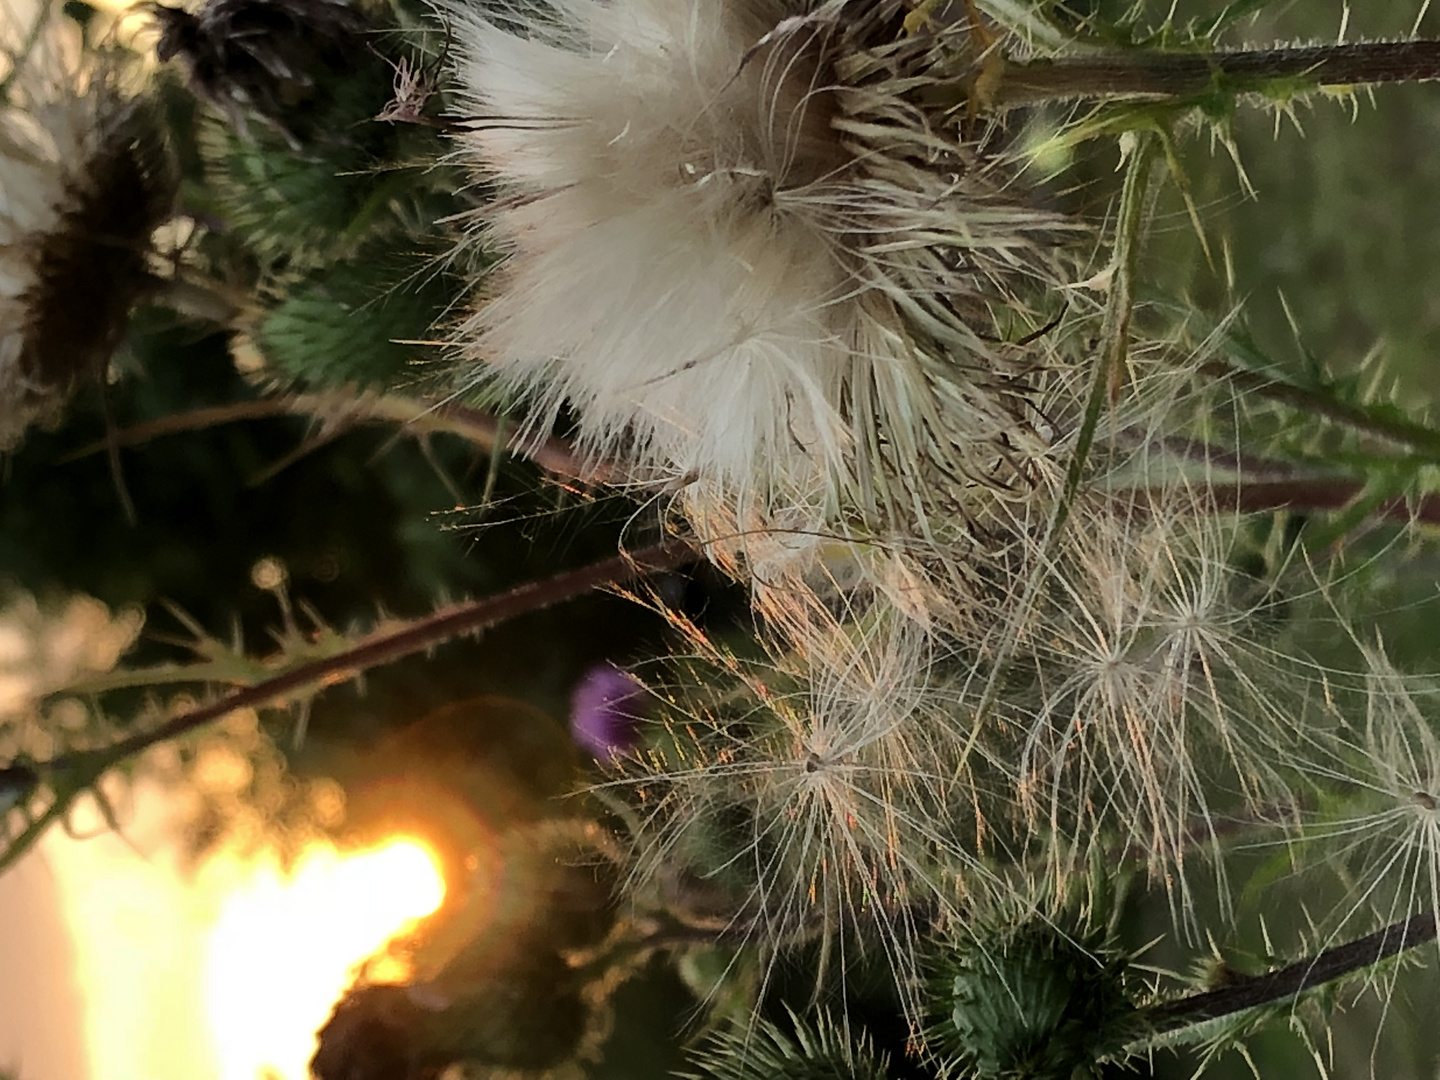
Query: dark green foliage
530 1016
532 1019
1028 1002
316 183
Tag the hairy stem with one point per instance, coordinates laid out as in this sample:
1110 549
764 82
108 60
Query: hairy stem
479 427
1287 982
1153 74
445 624
72 774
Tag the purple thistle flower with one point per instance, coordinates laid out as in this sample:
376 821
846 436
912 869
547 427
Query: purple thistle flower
605 710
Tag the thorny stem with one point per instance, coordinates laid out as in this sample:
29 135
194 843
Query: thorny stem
1197 451
1152 74
630 950
1288 982
1264 485
1315 494
445 624
1318 403
479 427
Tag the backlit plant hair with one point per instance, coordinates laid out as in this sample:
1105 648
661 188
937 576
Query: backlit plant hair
821 788
1154 705
743 250
1375 811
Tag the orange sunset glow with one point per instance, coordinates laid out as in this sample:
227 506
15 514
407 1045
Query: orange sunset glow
284 946
227 974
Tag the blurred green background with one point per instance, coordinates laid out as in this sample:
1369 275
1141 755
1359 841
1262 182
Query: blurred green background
1333 261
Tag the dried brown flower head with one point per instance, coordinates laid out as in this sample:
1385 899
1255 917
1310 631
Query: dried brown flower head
87 178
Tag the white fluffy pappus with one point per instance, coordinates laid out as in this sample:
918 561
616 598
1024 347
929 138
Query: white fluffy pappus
1156 709
820 792
744 256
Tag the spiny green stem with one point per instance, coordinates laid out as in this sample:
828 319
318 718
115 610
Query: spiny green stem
1287 982
1153 74
1318 403
1111 364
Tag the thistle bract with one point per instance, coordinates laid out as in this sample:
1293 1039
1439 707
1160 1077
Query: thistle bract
1028 1001
827 1050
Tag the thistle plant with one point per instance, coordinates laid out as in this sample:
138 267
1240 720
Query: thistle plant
984 567
830 280
88 179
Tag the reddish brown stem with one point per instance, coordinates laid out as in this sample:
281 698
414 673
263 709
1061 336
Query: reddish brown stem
1371 422
479 427
445 624
1321 494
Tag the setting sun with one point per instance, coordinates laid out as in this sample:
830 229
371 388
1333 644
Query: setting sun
228 973
284 947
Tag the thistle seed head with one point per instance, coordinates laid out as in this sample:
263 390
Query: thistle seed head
822 789
740 247
1154 704
267 58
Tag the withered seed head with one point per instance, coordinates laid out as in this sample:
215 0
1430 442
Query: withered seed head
96 258
264 57
77 258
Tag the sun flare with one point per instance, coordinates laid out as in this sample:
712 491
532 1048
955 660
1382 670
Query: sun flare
285 946
227 974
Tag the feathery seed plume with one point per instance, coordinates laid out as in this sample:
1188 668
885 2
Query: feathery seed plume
1386 834
1153 706
820 789
747 256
